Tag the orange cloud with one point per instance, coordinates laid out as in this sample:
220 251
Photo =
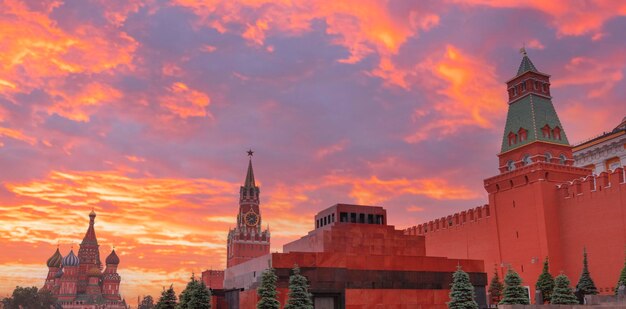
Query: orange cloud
601 75
186 102
80 105
569 18
471 90
35 49
17 135
334 148
362 27
375 191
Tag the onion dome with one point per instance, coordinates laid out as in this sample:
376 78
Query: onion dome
71 259
113 258
55 260
94 272
59 273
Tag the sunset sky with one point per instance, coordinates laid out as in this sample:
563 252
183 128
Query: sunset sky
144 110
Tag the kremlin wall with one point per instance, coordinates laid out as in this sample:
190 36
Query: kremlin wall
543 204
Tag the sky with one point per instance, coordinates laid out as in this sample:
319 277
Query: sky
144 110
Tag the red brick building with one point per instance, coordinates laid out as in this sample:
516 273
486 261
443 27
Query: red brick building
79 281
540 205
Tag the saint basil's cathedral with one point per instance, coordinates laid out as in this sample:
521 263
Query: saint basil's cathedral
78 280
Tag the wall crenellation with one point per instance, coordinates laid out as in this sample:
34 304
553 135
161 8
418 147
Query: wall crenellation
592 183
451 221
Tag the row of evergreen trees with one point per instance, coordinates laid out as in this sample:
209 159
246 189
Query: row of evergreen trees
554 290
462 291
196 295
298 297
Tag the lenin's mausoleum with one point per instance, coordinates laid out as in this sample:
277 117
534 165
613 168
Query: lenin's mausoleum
543 204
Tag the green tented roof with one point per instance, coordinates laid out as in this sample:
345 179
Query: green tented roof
532 113
526 66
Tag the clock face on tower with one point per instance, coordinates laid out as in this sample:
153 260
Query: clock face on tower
251 218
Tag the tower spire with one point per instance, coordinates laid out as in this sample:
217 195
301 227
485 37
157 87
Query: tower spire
90 236
526 65
249 183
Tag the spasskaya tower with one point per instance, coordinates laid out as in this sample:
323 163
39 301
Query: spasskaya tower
247 241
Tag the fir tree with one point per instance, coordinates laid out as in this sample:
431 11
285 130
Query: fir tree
299 296
622 278
562 293
495 287
514 292
462 291
146 303
168 299
545 282
267 291
195 295
585 284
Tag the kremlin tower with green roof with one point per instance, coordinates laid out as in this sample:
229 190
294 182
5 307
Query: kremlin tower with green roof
533 131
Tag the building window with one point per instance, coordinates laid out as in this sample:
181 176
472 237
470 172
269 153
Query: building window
332 218
548 157
523 134
524 86
546 131
527 160
556 133
536 85
562 159
612 163
510 165
361 218
353 217
512 138
343 217
370 219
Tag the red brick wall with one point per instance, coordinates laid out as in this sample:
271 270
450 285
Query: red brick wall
541 216
391 298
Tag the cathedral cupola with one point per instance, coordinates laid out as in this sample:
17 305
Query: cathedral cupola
71 259
55 260
112 259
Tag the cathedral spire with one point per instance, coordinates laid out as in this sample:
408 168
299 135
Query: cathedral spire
90 236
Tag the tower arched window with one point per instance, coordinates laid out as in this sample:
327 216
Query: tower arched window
527 160
548 157
510 165
562 159
523 134
512 138
556 133
545 130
